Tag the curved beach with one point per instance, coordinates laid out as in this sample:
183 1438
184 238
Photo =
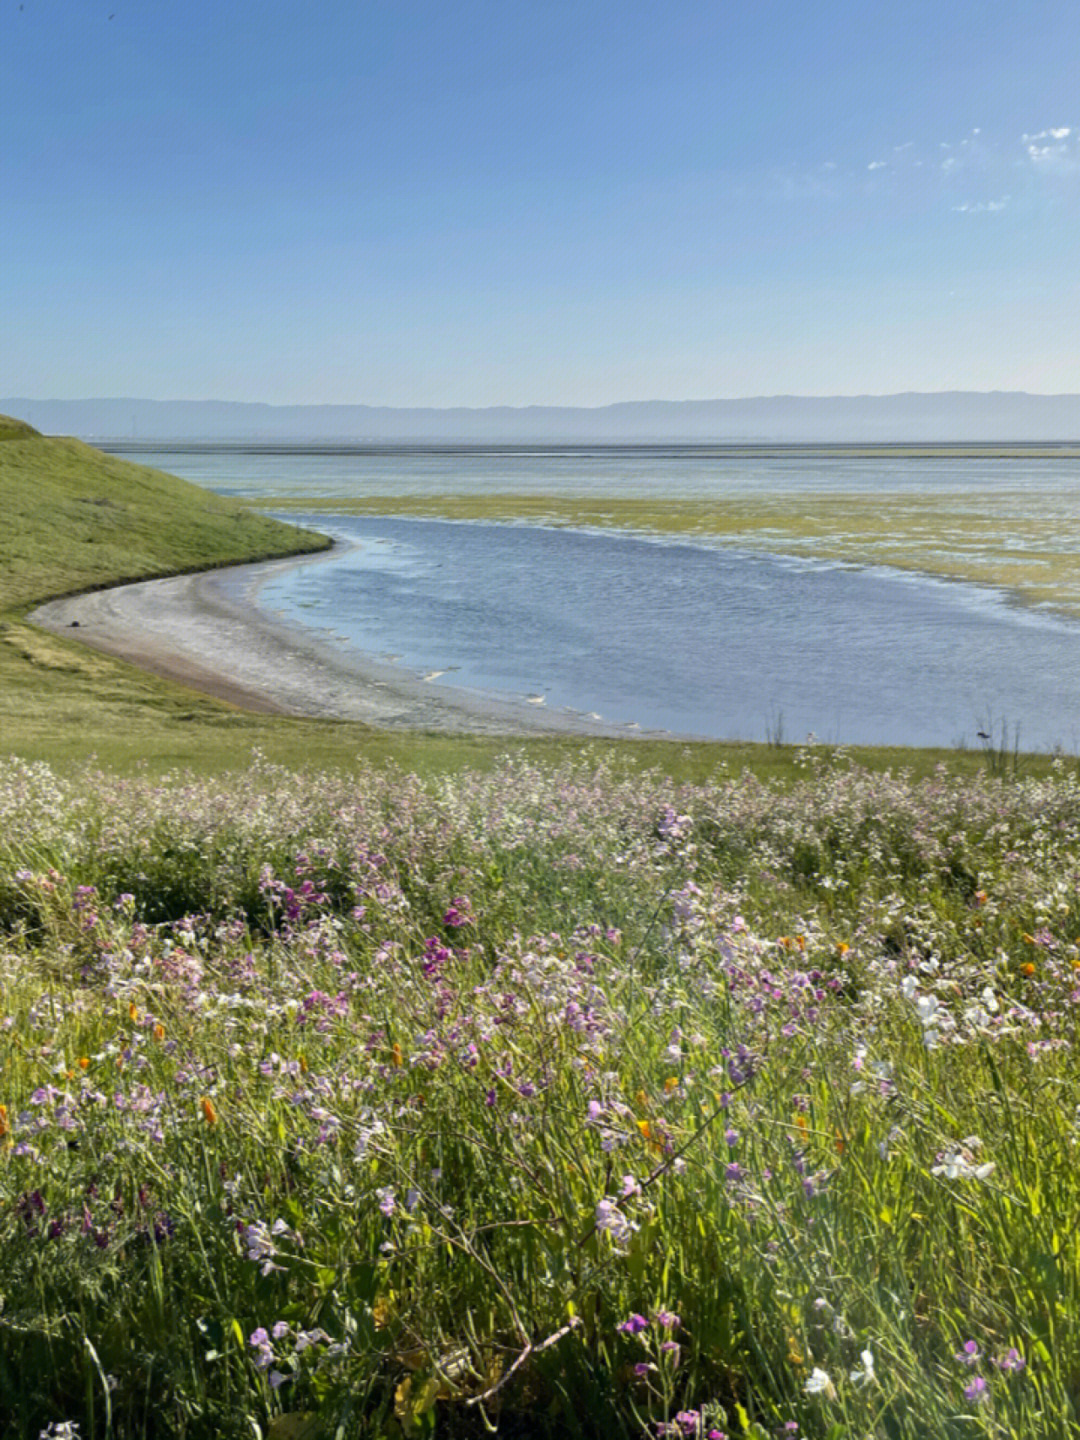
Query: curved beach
207 631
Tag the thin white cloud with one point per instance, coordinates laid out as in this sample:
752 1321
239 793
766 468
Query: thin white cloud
1055 150
1062 132
982 207
972 162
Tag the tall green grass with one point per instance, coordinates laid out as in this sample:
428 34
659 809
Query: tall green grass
547 1102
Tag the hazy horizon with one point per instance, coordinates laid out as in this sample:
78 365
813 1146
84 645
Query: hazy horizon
913 417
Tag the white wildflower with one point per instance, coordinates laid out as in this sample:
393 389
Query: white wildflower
927 1007
958 1162
864 1373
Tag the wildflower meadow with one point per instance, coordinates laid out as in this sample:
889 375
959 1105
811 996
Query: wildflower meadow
552 1101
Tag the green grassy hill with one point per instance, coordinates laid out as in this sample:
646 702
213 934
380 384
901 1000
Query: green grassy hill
76 519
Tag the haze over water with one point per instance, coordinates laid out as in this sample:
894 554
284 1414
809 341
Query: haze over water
660 472
688 635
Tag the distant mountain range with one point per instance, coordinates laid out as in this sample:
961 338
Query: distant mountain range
959 415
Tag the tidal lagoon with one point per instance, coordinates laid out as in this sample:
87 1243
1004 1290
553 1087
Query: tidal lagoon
780 630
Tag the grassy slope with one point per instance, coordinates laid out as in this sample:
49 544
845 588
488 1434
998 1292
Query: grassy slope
78 519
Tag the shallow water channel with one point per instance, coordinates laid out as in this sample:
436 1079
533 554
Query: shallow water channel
692 638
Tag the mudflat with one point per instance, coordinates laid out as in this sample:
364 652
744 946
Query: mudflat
207 631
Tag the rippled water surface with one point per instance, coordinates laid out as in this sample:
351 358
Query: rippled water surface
690 638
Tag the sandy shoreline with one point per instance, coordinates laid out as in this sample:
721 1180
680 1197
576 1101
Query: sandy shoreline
207 631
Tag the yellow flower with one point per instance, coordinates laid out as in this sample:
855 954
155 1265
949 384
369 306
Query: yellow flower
159 1032
209 1113
133 1010
3 1120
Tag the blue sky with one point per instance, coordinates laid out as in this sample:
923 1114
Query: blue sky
490 202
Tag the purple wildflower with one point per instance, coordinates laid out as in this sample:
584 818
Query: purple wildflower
976 1391
259 1341
387 1201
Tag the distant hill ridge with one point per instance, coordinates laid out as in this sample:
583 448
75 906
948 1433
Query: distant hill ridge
958 415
